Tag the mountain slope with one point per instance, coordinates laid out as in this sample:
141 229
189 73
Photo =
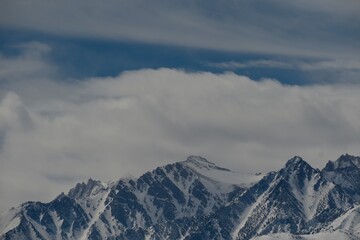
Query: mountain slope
296 199
299 200
195 199
345 172
347 226
129 206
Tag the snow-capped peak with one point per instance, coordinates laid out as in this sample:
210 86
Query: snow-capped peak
296 160
197 162
344 161
82 190
207 169
297 163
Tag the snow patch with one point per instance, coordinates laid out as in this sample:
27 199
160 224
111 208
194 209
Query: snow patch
13 224
224 176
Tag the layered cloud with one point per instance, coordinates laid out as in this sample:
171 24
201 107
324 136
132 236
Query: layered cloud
307 28
335 70
302 65
54 133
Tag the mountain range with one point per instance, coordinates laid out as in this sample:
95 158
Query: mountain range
196 199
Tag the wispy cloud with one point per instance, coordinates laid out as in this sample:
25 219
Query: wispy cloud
303 28
309 65
335 70
233 65
30 62
345 65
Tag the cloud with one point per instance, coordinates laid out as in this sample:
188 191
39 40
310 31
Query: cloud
302 28
264 63
107 127
309 65
29 63
329 65
337 70
27 70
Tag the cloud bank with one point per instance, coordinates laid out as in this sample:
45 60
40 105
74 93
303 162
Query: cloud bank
55 133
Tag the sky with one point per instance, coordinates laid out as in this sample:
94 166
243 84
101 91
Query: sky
104 89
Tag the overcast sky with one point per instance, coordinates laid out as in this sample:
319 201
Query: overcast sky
103 89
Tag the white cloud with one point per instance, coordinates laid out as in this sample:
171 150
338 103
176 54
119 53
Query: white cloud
107 127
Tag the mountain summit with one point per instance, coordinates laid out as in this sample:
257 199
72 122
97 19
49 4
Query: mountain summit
202 163
344 161
196 199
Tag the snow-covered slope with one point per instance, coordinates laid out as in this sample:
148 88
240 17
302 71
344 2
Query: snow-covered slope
298 200
195 199
345 172
317 236
220 175
345 227
9 221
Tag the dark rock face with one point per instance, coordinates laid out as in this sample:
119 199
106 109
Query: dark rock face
184 200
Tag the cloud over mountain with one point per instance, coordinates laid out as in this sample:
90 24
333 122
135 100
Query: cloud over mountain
55 133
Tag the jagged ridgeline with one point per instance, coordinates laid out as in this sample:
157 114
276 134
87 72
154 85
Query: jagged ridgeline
195 199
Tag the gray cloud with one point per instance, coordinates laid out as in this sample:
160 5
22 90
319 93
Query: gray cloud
107 127
28 72
28 64
306 28
309 65
337 70
265 63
